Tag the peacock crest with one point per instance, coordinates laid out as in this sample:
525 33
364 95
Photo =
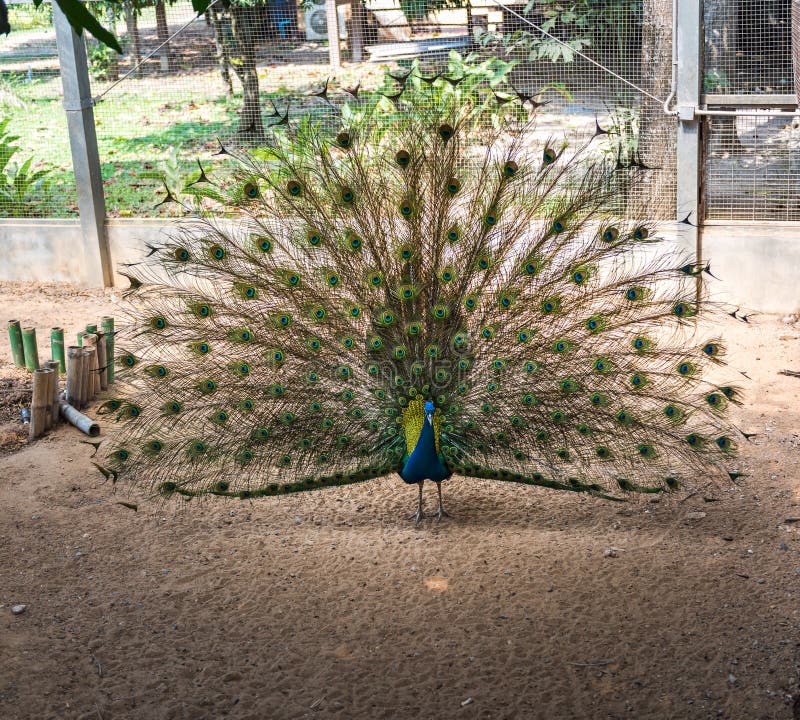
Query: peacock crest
410 289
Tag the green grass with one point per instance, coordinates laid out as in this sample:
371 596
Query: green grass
138 133
145 127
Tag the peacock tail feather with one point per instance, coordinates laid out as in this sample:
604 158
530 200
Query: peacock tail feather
410 254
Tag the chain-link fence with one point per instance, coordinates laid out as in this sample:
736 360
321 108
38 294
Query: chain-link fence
36 178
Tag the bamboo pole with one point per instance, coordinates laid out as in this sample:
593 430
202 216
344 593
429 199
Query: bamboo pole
81 333
15 338
101 360
39 403
57 348
48 413
74 374
51 384
90 342
54 365
91 329
31 350
86 377
107 323
79 420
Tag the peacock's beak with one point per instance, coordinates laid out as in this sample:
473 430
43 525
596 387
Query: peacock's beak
430 418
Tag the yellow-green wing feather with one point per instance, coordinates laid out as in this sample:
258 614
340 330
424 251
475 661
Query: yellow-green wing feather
412 419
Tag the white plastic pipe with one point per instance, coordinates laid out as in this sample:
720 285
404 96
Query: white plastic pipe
79 420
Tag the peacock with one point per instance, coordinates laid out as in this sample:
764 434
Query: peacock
405 284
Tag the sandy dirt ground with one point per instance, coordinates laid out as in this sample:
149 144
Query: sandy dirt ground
330 605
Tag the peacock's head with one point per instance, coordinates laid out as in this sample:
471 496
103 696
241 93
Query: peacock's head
429 410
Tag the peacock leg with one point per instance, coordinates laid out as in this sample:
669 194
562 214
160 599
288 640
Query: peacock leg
441 512
419 515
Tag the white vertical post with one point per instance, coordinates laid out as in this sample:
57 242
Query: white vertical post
689 42
332 18
78 105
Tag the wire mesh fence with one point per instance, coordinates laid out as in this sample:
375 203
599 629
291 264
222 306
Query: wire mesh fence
753 168
748 48
226 77
752 162
184 84
212 80
36 177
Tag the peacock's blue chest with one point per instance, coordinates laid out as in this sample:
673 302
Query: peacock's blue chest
424 462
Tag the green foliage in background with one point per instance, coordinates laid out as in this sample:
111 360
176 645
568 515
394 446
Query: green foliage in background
81 18
21 187
478 78
579 24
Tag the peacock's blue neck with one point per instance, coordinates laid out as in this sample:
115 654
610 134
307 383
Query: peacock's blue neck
424 462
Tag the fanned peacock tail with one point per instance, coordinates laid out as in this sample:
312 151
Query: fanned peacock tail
412 255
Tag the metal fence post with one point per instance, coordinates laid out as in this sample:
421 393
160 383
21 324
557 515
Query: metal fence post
78 105
689 149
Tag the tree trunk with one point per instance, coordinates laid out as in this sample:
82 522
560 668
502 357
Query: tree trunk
222 49
162 30
720 18
113 62
357 23
243 53
654 194
134 39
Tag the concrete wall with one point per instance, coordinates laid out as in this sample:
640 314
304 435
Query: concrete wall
758 266
50 250
41 250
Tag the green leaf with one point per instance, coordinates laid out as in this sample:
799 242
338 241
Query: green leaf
200 6
81 19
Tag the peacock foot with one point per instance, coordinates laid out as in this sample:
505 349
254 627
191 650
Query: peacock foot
417 517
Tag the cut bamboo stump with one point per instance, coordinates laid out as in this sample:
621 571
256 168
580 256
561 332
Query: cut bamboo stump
107 323
39 403
86 385
31 351
57 348
74 375
79 420
54 365
101 360
90 343
15 339
48 415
